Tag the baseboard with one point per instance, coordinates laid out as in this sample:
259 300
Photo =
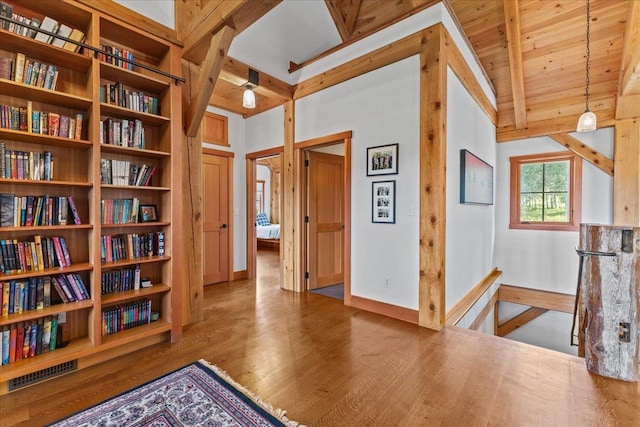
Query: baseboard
240 275
389 310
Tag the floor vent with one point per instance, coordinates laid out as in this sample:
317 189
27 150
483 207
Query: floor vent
44 374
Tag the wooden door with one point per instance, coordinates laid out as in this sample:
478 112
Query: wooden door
325 198
215 222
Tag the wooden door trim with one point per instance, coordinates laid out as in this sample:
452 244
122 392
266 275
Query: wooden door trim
265 153
214 152
301 183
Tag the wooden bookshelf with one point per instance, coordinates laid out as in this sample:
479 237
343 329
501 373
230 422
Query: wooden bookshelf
77 171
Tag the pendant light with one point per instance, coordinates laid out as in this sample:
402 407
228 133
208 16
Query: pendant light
587 121
248 97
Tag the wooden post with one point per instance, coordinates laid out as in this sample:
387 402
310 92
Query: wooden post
610 304
287 237
626 181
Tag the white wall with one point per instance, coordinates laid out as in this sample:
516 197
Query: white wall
162 11
547 259
470 228
380 107
265 130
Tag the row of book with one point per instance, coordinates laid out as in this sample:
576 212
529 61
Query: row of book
131 246
123 172
37 255
119 211
116 94
19 296
33 165
29 27
29 72
124 133
41 122
34 211
24 340
117 54
119 317
114 281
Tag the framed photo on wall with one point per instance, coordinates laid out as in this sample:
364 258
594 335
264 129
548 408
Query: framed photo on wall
382 160
476 180
383 202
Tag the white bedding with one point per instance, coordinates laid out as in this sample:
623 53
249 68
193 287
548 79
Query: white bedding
268 231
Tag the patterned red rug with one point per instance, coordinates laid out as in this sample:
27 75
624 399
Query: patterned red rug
199 394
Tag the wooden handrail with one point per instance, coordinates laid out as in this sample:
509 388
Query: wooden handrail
461 308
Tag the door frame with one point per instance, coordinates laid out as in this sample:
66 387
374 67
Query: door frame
301 208
252 242
230 155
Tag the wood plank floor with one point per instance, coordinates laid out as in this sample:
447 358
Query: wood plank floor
331 365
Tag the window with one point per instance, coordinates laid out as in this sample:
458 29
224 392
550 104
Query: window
260 196
546 192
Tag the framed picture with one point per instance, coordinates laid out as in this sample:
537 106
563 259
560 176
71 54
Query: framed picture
382 160
476 180
383 202
148 213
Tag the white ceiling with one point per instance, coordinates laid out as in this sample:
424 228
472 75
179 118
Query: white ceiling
295 30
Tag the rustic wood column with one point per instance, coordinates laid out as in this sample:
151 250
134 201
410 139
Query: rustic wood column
610 294
287 230
433 161
626 180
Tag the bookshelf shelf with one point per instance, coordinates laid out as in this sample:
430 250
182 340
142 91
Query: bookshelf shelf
157 288
136 225
46 96
109 148
45 52
126 113
43 228
132 78
35 138
47 311
74 268
42 361
134 261
77 173
133 334
31 182
134 187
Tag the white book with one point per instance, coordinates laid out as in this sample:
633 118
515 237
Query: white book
64 31
48 24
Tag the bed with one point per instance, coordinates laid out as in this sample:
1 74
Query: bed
267 234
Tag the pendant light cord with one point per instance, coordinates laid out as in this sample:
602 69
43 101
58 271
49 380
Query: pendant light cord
588 51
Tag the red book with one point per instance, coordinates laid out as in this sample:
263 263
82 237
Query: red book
13 334
19 341
59 253
54 124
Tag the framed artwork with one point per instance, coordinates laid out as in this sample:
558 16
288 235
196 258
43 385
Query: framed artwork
476 180
148 213
383 202
382 160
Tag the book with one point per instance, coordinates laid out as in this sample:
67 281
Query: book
19 340
13 336
33 26
54 124
54 333
5 298
5 345
76 35
48 24
6 65
6 10
46 334
18 72
64 31
6 210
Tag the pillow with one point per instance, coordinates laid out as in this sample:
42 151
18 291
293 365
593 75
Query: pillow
262 219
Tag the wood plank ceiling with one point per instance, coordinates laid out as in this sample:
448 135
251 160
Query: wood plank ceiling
533 51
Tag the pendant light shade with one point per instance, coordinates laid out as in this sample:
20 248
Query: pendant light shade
587 121
249 98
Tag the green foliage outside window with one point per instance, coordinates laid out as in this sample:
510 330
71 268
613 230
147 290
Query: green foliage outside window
544 192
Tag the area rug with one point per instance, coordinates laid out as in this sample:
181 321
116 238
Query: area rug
199 394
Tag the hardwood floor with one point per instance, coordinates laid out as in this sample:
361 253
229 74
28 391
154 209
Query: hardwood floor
331 365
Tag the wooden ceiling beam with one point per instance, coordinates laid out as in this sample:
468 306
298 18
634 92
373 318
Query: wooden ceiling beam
237 14
512 25
211 19
547 127
336 14
584 151
352 15
209 72
237 72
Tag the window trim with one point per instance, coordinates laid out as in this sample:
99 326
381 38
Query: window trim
575 191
